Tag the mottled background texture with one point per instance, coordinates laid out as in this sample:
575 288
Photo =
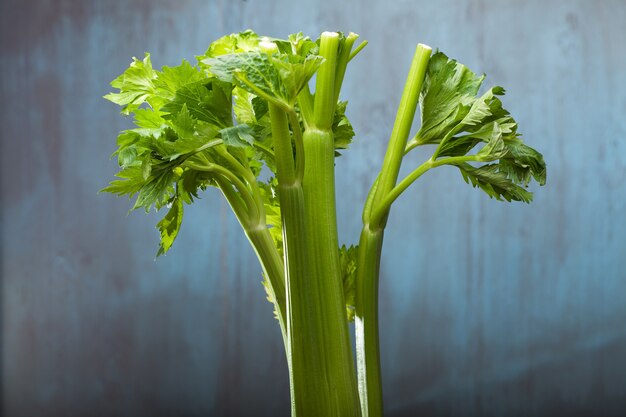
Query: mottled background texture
488 308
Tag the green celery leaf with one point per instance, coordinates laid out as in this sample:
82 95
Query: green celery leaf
190 183
169 226
459 146
126 138
242 106
183 147
456 118
239 136
264 151
235 42
146 166
131 182
485 109
149 122
127 156
342 128
172 79
263 144
150 179
191 136
448 91
295 71
149 119
494 182
302 45
278 78
261 109
249 108
252 71
495 147
523 162
135 85
184 124
207 100
158 187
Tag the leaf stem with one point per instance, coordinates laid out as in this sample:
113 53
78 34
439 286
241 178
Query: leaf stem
367 208
370 246
234 199
385 204
343 57
266 252
446 138
357 50
402 125
263 148
253 213
277 102
412 144
272 265
244 169
382 208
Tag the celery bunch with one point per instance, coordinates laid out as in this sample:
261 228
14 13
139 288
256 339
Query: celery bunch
247 104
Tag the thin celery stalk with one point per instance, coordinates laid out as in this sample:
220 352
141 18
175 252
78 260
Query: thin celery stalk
261 241
371 241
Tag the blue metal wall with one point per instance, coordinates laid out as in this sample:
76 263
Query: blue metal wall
488 309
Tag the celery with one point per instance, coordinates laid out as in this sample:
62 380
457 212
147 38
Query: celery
248 104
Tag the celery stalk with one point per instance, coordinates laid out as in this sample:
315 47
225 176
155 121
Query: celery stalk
370 245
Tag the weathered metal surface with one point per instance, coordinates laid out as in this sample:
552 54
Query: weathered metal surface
487 308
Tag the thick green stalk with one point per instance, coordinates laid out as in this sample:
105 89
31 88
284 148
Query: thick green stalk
334 337
370 245
321 225
310 395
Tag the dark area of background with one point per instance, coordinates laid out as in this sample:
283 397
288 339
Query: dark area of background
488 309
